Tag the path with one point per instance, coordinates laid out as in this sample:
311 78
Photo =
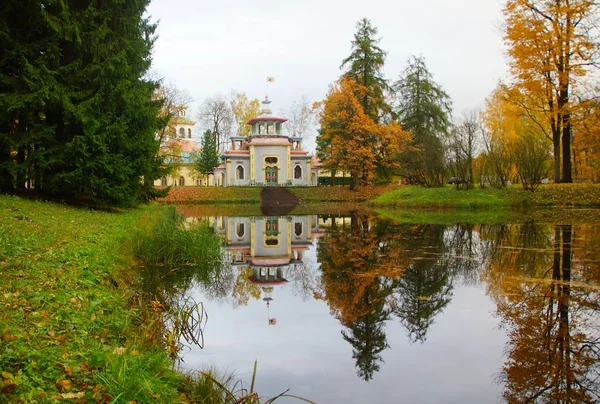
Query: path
277 201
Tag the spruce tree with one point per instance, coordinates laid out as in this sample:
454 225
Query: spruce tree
77 119
208 158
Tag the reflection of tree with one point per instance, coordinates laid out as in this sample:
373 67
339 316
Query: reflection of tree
425 288
243 289
367 335
355 264
553 353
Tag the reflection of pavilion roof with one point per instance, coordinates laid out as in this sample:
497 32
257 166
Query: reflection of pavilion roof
253 279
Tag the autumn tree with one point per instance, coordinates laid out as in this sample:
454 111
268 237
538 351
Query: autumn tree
350 140
550 43
364 66
243 109
208 158
423 109
215 114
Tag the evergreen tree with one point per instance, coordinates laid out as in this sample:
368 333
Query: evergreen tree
77 118
423 109
364 66
209 157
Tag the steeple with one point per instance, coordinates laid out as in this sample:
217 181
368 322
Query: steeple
266 109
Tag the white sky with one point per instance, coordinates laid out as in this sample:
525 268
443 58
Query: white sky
206 48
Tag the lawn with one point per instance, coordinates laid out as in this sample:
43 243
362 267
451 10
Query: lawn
71 327
212 195
557 195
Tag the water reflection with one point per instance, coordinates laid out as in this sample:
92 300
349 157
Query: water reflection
377 276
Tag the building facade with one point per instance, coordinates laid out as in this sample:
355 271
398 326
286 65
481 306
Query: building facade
267 157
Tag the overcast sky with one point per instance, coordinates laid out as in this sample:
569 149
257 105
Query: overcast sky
208 48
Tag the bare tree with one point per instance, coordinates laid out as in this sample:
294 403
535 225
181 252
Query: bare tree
301 118
215 115
462 148
173 101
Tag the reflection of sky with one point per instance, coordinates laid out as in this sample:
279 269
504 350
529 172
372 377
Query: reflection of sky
305 351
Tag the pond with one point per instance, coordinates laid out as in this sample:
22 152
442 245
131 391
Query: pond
357 308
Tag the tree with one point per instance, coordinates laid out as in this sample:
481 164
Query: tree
364 66
243 110
208 158
350 140
301 118
463 144
215 114
173 101
77 119
424 110
550 43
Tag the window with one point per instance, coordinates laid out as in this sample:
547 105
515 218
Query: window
239 173
298 172
189 133
271 160
181 132
240 230
163 181
181 181
270 129
261 129
298 229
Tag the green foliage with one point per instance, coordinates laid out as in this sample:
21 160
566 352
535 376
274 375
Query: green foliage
77 118
364 66
423 109
170 243
208 158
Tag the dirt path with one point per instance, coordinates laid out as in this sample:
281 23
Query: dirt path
277 201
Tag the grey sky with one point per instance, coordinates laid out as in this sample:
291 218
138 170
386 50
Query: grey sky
214 47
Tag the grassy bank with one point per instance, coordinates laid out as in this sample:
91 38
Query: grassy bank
330 194
71 328
212 195
556 195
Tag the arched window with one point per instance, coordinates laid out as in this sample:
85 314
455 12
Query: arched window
271 160
298 229
163 181
239 173
181 181
189 133
240 230
181 132
298 172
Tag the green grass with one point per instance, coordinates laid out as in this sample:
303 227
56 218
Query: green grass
329 194
69 325
170 242
581 195
212 195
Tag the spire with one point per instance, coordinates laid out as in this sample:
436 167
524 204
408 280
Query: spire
266 109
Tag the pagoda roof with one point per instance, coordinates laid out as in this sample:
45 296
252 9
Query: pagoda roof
266 118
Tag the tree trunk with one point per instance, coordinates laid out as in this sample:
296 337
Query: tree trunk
556 151
566 149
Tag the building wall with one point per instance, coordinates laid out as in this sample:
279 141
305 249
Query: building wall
304 164
281 152
190 178
232 165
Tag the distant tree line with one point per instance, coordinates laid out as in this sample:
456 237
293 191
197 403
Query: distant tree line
539 121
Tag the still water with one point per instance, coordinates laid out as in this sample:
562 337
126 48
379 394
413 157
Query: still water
360 309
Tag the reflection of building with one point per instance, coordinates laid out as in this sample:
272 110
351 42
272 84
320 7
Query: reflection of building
269 245
267 156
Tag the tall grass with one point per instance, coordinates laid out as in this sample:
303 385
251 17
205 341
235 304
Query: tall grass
168 242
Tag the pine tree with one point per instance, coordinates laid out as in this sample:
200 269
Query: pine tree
424 110
208 158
